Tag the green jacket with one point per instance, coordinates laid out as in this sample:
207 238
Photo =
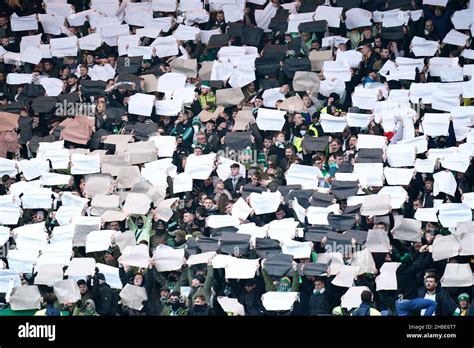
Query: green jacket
269 286
167 312
205 289
173 286
84 298
143 233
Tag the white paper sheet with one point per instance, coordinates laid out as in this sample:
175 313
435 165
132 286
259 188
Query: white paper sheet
141 104
59 157
182 183
168 259
441 3
9 211
306 176
165 46
352 57
377 241
265 202
241 268
98 240
423 91
39 199
253 231
318 215
48 274
263 17
282 230
352 298
65 214
31 55
458 162
438 64
295 20
164 5
279 301
23 23
81 266
420 143
370 173
163 210
64 47
34 168
18 79
171 81
425 166
357 18
197 259
57 253
457 275
398 176
218 221
241 209
333 124
436 124
111 275
398 195
406 229
366 141
79 18
424 48
85 164
8 167
365 261
426 214
205 35
166 145
67 291
358 120
21 261
452 213
333 41
133 296
107 7
70 200
52 179
444 181
270 119
445 247
299 250
330 14
345 277
387 280
337 70
231 305
456 38
135 256
185 32
200 167
401 155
